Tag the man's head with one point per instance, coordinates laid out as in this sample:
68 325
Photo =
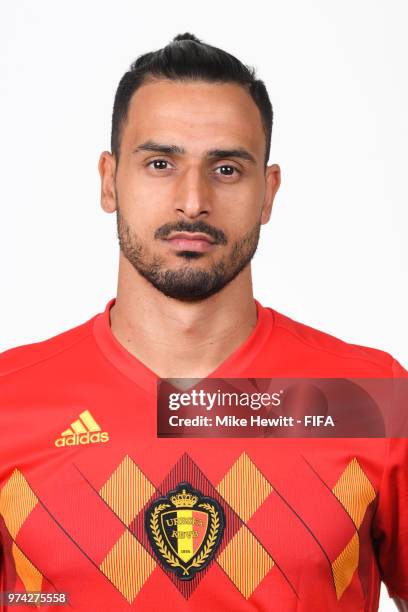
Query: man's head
191 132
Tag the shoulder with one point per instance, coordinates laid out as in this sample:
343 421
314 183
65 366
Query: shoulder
25 357
317 343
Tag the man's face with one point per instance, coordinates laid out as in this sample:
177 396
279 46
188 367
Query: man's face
190 188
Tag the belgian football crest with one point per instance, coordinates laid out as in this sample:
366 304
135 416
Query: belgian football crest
185 529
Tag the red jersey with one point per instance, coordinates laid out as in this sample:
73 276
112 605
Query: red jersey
292 524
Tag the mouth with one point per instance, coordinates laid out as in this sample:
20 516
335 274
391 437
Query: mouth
184 241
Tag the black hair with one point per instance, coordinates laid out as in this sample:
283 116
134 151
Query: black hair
184 58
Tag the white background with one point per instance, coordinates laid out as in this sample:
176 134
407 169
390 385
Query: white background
334 254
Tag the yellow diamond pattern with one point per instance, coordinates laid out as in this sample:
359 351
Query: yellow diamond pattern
17 501
245 561
244 488
127 490
128 566
355 492
28 573
345 565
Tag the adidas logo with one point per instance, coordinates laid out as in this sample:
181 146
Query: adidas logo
84 430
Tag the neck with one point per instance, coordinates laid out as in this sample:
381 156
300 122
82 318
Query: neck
178 339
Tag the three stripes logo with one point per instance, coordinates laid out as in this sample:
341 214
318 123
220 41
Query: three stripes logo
85 430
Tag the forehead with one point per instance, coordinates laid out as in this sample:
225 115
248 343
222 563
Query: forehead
194 114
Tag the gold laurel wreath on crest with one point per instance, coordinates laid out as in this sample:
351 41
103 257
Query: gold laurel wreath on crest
209 544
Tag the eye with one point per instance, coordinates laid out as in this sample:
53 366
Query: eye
227 170
159 164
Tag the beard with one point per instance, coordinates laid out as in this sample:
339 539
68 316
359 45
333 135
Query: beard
188 283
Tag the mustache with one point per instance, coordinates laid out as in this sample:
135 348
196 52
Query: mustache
197 226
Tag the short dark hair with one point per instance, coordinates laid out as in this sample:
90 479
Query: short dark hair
184 58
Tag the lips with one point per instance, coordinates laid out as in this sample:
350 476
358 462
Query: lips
191 236
200 243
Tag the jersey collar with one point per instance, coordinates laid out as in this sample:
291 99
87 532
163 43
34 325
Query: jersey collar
234 366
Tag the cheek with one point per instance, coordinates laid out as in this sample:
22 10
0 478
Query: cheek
239 212
135 187
142 206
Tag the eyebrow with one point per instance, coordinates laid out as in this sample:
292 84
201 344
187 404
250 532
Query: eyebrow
171 149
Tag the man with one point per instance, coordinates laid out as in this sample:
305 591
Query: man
93 503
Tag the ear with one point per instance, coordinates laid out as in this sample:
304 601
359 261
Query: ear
107 170
272 183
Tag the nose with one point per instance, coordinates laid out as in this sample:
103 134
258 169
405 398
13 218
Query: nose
192 198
